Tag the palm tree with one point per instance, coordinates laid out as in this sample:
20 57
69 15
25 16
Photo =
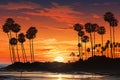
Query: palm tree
114 24
108 17
78 27
7 29
102 31
16 28
80 34
72 54
88 50
89 29
21 39
13 42
85 39
95 29
31 34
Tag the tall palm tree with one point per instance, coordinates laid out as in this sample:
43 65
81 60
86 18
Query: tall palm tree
7 29
21 39
78 27
13 42
89 29
16 28
113 24
102 31
108 17
31 34
95 29
85 39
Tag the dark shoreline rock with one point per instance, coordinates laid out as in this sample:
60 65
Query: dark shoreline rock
96 64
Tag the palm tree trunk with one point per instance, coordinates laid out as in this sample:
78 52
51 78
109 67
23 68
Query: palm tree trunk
91 44
111 42
79 47
114 41
17 50
30 51
81 50
85 51
10 49
94 42
102 43
14 57
33 51
24 53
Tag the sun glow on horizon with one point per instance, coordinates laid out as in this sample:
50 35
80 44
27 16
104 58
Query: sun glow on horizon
59 59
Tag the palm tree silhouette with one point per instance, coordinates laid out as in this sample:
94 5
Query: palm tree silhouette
72 54
114 24
108 17
88 50
13 42
21 39
16 28
85 39
102 31
95 29
78 27
80 34
31 34
7 29
89 29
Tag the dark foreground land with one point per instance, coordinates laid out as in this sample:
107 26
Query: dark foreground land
96 64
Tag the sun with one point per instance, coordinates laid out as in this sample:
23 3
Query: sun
59 59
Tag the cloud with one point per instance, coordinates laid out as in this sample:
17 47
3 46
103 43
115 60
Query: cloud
59 12
23 18
107 4
20 5
96 16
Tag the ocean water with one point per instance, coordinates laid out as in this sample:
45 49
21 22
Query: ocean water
54 76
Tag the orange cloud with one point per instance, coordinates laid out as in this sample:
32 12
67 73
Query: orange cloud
59 13
23 17
96 16
20 5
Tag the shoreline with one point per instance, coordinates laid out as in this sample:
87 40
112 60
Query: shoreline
97 64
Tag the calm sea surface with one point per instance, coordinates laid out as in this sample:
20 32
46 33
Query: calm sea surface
54 76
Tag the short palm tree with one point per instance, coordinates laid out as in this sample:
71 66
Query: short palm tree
78 27
85 39
89 29
31 34
88 50
21 39
16 28
72 54
13 42
102 31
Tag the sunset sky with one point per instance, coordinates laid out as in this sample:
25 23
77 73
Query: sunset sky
54 20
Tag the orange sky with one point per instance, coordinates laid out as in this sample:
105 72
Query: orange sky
54 21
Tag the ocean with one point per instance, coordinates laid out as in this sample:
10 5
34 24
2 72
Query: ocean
54 76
